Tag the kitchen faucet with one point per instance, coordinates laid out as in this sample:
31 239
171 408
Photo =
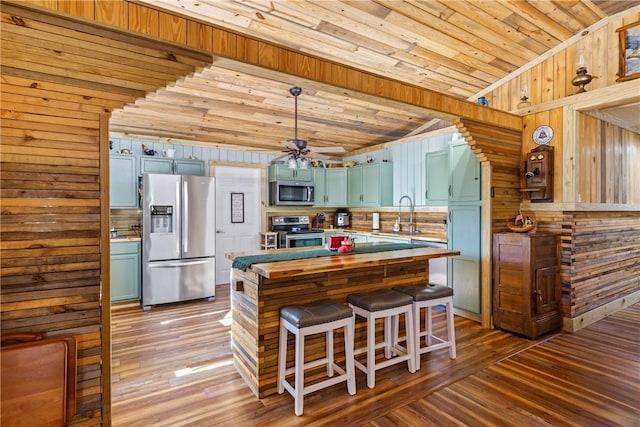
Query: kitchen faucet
411 230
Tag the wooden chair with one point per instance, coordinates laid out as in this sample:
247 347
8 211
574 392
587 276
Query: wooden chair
37 380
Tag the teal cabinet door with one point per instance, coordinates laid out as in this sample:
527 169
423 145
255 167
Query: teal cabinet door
370 185
437 177
125 271
284 173
189 167
152 164
355 186
464 270
123 184
336 187
464 170
319 187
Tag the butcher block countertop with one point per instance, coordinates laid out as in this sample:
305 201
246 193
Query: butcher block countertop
293 268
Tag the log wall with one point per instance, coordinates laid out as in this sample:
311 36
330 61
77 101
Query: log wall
54 182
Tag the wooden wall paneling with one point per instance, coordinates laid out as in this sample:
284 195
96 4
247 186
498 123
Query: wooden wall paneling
79 8
113 12
199 36
590 160
560 73
144 20
172 28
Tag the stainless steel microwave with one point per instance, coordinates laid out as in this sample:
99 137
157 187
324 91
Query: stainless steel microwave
291 193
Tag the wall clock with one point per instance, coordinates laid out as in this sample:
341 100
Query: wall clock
543 134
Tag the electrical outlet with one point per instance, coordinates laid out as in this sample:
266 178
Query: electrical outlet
134 226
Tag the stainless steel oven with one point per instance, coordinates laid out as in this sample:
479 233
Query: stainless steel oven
295 232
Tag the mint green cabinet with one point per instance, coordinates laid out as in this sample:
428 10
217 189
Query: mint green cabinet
464 270
125 271
437 177
464 170
151 164
330 186
123 184
370 184
284 173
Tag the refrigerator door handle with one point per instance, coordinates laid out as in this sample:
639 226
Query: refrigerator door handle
170 264
185 217
175 221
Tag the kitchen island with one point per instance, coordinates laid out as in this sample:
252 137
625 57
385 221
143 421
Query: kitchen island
258 293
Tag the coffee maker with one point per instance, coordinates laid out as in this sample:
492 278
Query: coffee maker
342 218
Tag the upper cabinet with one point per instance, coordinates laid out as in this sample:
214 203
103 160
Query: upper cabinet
370 184
151 164
123 183
330 186
437 177
464 170
284 173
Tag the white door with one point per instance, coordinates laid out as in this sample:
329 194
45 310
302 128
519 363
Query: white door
238 214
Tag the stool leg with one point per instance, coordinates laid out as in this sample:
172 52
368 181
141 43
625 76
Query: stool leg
389 328
429 321
282 357
451 330
329 351
349 332
408 324
299 373
416 333
371 352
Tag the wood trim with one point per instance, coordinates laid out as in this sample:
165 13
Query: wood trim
105 269
575 324
486 244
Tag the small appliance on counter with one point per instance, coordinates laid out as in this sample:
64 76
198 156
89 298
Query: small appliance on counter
318 220
342 218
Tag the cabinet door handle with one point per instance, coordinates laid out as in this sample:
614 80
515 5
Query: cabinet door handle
449 190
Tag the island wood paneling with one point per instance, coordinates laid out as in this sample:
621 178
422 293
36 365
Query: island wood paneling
54 230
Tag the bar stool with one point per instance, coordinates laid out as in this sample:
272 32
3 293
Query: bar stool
427 297
303 320
386 304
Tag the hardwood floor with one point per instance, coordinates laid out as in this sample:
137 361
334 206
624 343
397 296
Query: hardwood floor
172 366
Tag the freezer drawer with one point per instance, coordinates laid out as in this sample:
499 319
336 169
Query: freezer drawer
179 280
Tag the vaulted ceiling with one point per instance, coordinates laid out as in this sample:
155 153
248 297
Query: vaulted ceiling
458 48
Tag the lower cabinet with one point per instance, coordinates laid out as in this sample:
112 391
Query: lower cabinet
463 272
125 271
526 283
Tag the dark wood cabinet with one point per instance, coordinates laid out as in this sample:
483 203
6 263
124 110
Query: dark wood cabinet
526 283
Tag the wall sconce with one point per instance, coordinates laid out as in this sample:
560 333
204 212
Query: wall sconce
524 97
582 78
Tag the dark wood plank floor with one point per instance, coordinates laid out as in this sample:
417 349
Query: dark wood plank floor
172 366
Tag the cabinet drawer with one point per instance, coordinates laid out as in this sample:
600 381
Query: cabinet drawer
123 248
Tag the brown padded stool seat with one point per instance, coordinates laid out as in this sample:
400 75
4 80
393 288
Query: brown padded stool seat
425 293
316 313
383 299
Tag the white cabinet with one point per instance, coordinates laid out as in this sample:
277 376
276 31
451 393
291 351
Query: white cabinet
330 186
370 184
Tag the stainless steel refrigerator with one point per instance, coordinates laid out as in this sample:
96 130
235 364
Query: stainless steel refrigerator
178 238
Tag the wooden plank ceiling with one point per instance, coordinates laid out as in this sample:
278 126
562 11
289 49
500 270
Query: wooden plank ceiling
456 47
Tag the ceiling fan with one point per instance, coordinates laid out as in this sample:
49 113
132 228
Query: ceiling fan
297 148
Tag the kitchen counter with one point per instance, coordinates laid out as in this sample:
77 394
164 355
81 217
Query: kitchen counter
125 239
258 293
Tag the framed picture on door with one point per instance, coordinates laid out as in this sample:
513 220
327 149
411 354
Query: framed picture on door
237 208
